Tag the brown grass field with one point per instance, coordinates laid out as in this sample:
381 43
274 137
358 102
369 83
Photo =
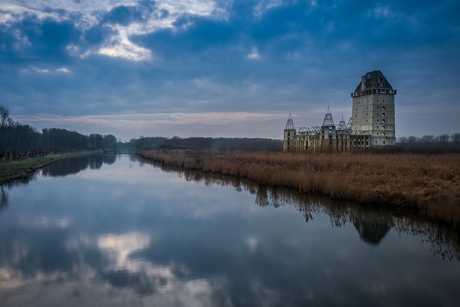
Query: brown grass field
428 183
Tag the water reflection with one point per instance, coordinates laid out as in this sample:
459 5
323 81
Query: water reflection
58 169
3 198
62 168
133 235
372 223
374 231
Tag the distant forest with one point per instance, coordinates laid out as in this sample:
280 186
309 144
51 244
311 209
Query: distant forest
202 143
425 144
429 144
18 138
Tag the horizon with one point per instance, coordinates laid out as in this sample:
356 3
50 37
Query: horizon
224 69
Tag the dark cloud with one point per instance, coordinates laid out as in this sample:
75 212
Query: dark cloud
97 34
124 15
35 40
201 36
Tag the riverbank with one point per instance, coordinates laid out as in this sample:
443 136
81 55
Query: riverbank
428 183
10 171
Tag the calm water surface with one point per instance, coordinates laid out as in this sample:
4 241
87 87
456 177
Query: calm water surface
115 231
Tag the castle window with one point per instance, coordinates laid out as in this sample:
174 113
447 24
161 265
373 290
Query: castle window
367 143
356 109
377 127
377 100
383 127
383 142
377 120
383 120
377 107
384 101
377 133
377 113
375 142
383 108
383 133
383 114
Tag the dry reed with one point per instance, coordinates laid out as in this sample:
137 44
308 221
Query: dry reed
429 183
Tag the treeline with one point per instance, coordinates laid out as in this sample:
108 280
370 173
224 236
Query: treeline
430 144
202 143
453 139
19 138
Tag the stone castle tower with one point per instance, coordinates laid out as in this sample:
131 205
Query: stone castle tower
374 109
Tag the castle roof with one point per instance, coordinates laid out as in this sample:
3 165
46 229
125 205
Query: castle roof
342 125
290 123
328 121
374 80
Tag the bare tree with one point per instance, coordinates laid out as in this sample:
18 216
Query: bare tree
427 139
4 115
443 138
455 137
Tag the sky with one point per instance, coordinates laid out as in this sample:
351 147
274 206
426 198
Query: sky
225 68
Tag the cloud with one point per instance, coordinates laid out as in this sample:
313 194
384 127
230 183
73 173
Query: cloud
62 69
221 57
254 54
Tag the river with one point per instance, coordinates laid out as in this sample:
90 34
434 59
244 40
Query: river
113 230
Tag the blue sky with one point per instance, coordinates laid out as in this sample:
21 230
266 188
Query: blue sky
224 68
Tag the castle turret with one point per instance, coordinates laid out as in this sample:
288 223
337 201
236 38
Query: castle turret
373 110
328 127
289 134
342 124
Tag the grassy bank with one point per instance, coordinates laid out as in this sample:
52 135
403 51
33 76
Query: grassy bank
430 184
18 169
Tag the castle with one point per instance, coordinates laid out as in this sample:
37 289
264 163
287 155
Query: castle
372 122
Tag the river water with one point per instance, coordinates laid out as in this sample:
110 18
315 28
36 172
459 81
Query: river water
117 231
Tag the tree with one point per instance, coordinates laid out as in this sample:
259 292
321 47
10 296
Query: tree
427 139
455 137
4 116
110 141
443 138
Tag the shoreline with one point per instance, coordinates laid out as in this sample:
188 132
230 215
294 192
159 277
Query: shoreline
10 171
429 184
